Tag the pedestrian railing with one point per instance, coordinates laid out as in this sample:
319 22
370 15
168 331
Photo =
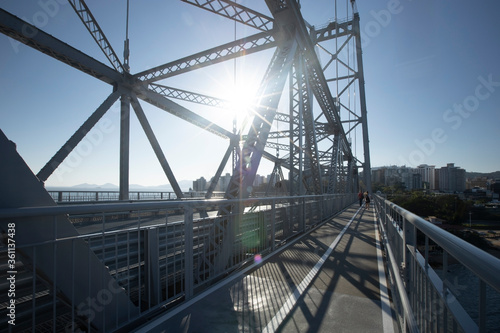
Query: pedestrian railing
124 262
440 283
83 196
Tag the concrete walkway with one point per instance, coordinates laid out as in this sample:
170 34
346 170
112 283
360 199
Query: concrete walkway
331 280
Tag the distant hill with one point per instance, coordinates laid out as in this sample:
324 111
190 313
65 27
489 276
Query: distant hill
107 186
490 175
185 185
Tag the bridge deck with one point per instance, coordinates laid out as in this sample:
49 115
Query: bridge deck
330 280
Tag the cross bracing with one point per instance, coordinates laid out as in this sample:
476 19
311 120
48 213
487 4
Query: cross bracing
316 139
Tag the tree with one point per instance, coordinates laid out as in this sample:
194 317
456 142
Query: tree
447 207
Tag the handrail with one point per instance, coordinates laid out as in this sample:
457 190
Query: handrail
486 266
136 205
410 318
156 260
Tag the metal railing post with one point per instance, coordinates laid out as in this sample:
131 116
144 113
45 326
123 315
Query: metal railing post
403 250
482 306
302 212
151 269
445 290
273 225
188 252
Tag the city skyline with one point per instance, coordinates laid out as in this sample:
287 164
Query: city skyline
185 183
433 95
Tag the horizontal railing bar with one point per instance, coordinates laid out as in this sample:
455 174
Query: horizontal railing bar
127 207
125 251
483 264
410 318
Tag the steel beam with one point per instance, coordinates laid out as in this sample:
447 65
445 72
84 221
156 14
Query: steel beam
41 242
124 147
179 111
156 146
333 30
316 76
309 129
296 136
189 96
30 35
244 46
236 12
68 147
362 101
334 165
83 12
269 96
222 165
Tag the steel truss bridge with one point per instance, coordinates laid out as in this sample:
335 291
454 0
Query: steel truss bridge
315 144
312 71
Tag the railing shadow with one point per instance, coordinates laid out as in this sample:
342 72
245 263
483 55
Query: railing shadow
251 302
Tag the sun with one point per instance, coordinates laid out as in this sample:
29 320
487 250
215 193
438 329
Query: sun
238 90
240 103
241 98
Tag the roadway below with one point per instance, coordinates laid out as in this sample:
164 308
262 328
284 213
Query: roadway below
330 280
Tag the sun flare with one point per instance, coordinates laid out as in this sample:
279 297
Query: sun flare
241 99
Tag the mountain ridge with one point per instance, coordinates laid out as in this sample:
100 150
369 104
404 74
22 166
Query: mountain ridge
185 185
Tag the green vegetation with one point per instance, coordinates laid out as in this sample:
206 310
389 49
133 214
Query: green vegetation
448 207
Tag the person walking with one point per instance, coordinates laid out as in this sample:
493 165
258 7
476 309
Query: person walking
360 197
367 200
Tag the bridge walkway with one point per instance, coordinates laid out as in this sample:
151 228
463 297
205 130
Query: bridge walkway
330 280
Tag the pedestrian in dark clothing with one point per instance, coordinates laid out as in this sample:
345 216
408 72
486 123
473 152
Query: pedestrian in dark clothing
360 197
367 200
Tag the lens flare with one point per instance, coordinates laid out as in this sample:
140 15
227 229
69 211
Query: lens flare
257 259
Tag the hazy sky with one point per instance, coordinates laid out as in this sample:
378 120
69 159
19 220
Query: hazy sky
431 71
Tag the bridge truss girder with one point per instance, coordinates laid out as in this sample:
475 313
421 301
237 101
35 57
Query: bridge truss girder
316 146
248 45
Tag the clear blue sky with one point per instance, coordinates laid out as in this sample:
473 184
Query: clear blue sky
431 71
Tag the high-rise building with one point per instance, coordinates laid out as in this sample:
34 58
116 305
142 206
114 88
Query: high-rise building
447 179
378 175
200 184
451 178
428 173
224 182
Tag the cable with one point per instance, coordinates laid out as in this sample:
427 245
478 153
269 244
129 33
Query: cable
126 50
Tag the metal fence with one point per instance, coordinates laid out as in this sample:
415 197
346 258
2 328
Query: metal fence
440 282
110 196
127 261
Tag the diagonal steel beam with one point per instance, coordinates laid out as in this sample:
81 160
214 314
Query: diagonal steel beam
362 100
189 96
92 26
269 96
179 111
221 167
30 35
334 166
155 145
309 129
236 12
248 45
317 79
68 147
